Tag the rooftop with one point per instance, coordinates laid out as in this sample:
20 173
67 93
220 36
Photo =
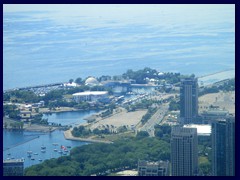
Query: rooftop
202 130
13 160
87 93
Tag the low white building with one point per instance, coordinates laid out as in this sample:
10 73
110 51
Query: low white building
73 84
90 96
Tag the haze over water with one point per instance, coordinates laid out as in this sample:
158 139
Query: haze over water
53 43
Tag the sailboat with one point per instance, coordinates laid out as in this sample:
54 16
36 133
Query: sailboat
43 147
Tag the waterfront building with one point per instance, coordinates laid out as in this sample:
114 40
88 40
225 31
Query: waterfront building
223 147
91 81
91 96
160 168
184 151
118 87
73 84
189 100
13 167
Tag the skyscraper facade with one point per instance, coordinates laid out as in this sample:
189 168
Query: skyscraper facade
13 167
188 100
223 147
184 152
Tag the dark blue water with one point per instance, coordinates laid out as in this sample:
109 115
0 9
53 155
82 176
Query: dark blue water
18 143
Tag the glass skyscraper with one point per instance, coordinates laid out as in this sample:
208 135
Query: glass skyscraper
223 147
188 100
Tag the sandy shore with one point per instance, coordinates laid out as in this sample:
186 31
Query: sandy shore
60 109
223 100
122 118
68 135
39 128
32 127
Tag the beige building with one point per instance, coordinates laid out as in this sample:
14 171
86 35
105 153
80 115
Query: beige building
90 96
160 168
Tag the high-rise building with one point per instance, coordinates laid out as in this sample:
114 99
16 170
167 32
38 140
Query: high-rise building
184 152
13 167
160 168
189 100
223 147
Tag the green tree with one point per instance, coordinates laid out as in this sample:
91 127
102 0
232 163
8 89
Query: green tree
79 81
71 81
142 134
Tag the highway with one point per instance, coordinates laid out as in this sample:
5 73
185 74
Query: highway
155 119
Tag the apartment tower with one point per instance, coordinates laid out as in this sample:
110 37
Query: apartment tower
184 152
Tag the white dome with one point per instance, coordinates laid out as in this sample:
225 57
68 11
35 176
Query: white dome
91 81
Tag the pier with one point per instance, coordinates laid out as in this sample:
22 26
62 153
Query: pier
36 86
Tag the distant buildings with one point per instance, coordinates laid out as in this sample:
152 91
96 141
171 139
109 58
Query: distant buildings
91 96
184 151
160 168
213 114
188 100
13 167
223 147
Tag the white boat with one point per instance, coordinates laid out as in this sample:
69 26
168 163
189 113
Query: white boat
32 158
35 153
55 150
29 152
40 159
43 151
43 147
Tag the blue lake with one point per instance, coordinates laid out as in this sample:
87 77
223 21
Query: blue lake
40 49
17 144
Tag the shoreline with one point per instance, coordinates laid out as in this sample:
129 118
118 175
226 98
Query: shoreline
68 136
203 75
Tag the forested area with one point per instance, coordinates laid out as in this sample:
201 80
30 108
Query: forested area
102 159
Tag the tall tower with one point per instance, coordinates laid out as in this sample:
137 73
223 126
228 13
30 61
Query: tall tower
184 152
188 100
223 147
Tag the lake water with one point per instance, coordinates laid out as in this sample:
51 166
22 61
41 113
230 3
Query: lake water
47 46
68 118
18 143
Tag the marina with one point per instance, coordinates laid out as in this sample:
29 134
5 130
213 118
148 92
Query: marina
35 147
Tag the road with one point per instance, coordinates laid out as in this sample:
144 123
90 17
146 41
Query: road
155 119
